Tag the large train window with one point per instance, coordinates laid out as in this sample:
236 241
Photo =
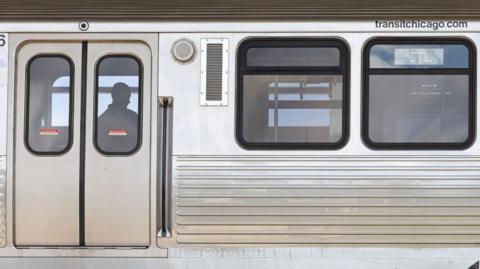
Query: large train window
118 105
292 94
49 104
419 94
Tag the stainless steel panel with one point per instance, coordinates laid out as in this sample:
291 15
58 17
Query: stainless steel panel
225 195
3 92
117 188
269 257
3 207
334 28
46 191
214 126
191 148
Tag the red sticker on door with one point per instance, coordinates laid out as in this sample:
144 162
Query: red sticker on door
118 132
48 131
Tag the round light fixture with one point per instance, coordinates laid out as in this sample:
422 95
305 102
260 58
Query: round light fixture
183 50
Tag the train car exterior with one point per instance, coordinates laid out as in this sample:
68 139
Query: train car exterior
286 144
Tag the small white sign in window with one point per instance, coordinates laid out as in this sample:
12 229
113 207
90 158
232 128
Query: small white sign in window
419 56
60 109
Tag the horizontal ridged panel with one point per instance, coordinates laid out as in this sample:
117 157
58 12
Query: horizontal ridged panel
310 229
327 200
234 10
329 211
327 220
308 202
326 193
331 239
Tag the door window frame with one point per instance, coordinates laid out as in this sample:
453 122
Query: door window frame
27 104
140 105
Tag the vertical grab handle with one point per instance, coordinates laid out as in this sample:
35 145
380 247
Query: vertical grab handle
164 229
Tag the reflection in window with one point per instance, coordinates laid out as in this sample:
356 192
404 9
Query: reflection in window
60 111
299 117
118 104
292 94
293 56
419 56
48 105
418 108
296 108
429 106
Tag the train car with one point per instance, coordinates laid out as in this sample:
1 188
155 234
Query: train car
209 134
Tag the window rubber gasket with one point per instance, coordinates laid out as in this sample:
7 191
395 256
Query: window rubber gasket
343 69
27 104
140 106
470 71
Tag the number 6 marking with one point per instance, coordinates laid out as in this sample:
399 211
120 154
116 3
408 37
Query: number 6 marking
2 40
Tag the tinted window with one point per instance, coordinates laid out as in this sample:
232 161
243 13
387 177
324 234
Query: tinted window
413 108
292 97
293 56
419 56
49 104
418 108
118 107
293 108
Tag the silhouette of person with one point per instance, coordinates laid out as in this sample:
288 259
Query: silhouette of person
117 127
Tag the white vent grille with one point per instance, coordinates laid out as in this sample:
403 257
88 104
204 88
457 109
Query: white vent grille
214 72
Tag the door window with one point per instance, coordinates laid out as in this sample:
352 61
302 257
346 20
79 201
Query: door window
49 104
118 107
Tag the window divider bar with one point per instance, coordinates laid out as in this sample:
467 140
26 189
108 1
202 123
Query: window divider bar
418 71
